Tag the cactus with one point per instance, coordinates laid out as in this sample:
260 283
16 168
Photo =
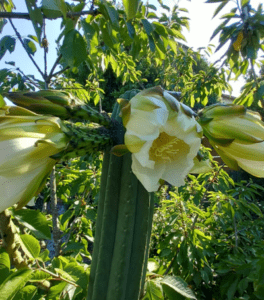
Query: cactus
123 227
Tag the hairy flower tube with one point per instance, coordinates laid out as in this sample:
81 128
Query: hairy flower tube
162 135
237 134
27 141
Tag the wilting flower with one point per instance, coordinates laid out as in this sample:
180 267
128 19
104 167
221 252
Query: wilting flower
27 141
162 135
237 135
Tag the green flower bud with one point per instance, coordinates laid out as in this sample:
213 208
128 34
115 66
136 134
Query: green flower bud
237 135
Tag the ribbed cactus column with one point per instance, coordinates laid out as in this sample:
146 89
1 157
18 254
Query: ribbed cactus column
124 219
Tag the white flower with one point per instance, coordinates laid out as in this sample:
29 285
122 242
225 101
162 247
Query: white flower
162 135
27 141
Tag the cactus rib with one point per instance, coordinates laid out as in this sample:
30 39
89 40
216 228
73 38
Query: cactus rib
124 232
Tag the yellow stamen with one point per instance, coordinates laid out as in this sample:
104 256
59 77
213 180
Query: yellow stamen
167 148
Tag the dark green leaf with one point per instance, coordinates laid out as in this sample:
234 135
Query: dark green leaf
10 43
12 63
147 26
151 43
73 49
131 29
35 16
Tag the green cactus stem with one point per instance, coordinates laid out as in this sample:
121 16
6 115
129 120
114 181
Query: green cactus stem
123 228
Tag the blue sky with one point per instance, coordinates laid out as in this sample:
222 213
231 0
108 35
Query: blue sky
201 27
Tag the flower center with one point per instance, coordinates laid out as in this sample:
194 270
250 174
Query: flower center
167 148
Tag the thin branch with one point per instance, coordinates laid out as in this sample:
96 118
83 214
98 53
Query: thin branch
29 55
56 276
235 227
60 72
26 16
53 68
28 78
55 227
45 48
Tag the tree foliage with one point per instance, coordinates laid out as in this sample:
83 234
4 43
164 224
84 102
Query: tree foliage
207 238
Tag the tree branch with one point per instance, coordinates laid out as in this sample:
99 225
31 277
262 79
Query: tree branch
53 68
55 227
30 56
26 16
45 48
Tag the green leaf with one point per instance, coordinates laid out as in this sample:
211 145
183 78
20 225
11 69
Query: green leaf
244 2
36 17
26 293
35 221
153 291
4 265
2 101
30 46
10 43
110 13
73 49
151 43
3 22
14 283
131 8
4 259
31 244
56 289
54 9
147 26
178 285
171 294
34 38
130 29
78 273
219 8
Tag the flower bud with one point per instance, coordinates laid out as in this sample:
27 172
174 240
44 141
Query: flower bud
237 135
27 141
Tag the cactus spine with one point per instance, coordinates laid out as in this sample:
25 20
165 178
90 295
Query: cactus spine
123 228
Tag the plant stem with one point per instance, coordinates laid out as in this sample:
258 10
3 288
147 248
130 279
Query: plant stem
235 227
28 78
53 68
56 276
53 197
45 48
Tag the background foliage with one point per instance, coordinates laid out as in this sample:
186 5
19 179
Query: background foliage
207 239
